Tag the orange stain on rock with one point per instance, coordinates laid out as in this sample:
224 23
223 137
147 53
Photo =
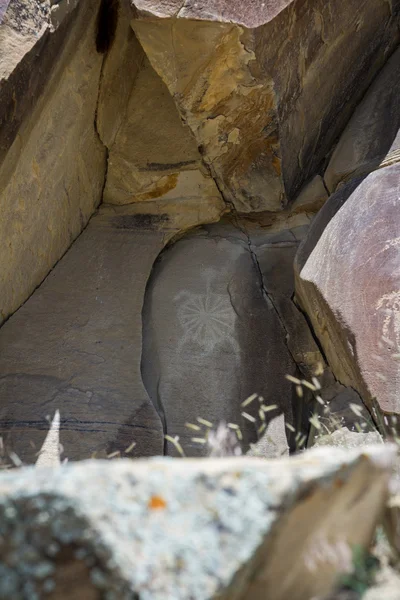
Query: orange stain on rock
157 503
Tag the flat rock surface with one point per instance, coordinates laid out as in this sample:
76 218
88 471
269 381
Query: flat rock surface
76 345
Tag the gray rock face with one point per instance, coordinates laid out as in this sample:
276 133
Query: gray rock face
217 328
75 346
184 529
343 409
273 443
348 282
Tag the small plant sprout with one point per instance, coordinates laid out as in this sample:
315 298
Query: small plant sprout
115 454
250 418
197 440
249 400
204 422
129 449
175 442
193 426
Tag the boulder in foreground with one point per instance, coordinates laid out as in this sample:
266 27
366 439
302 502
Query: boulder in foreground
200 529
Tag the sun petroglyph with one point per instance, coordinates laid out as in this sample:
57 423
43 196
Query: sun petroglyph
207 319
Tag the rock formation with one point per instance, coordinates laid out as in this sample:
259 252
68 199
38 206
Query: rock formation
175 115
244 77
200 257
348 282
347 270
52 163
214 528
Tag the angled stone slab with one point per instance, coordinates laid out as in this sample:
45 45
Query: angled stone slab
371 140
52 163
348 281
75 346
250 14
237 529
244 76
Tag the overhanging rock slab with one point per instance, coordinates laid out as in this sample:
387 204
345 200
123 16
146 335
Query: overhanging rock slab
245 77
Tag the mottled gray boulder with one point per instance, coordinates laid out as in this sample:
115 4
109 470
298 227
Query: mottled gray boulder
348 281
344 438
171 528
372 137
387 586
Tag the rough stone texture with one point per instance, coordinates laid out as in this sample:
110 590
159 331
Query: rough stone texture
226 108
312 196
248 95
344 438
3 7
224 528
219 326
155 157
275 253
171 215
60 9
273 443
152 156
121 65
347 273
52 164
372 137
342 408
75 346
387 586
250 14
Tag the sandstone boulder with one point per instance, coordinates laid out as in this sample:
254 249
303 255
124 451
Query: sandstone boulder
347 278
227 528
52 163
155 157
244 77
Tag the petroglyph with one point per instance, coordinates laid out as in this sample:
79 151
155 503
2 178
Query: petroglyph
207 319
390 304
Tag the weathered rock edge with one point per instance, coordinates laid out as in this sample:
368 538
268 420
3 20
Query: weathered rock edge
201 529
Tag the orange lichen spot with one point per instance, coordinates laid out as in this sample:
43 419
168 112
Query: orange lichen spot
157 503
